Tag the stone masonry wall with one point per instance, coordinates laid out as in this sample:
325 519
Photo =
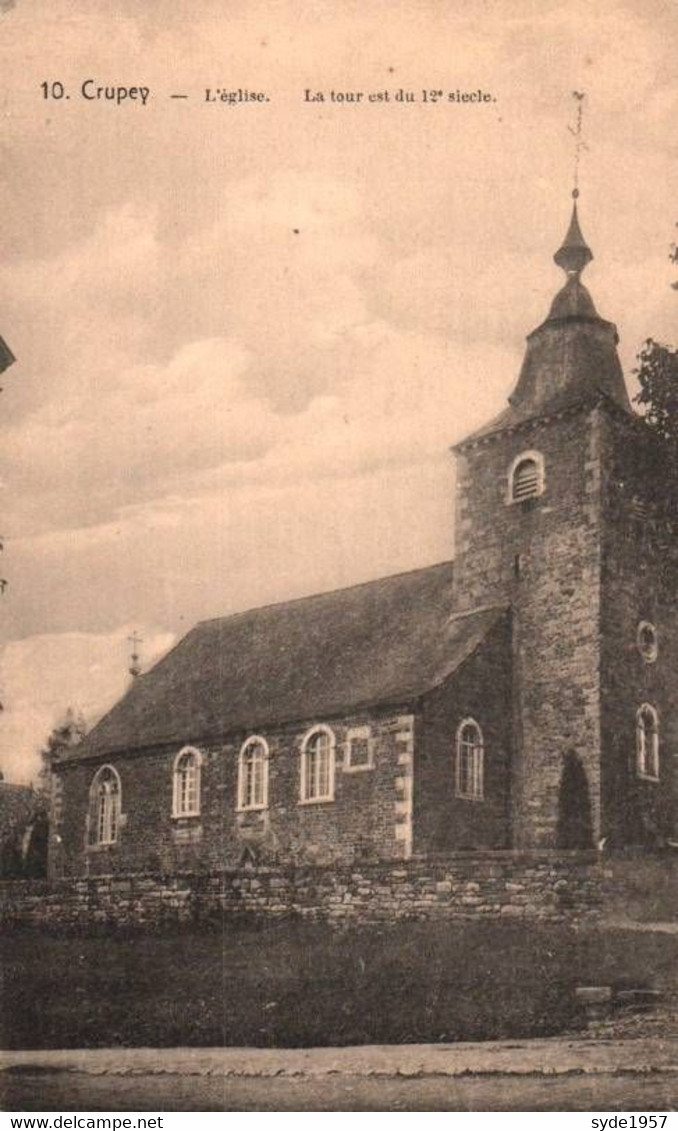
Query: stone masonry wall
467 885
542 555
479 689
370 816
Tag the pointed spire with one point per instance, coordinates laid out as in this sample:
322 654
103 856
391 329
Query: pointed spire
7 358
573 300
574 252
134 641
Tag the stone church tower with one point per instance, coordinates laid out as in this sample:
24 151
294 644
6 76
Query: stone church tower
524 695
560 513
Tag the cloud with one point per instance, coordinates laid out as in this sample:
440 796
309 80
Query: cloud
194 424
314 382
120 255
43 675
190 557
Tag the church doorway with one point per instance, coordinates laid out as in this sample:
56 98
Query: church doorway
575 829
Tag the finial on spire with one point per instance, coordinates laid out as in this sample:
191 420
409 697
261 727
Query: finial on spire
579 143
134 661
575 253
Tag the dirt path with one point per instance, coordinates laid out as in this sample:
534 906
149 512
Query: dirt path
73 1092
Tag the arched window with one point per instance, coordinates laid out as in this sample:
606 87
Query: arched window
647 742
253 774
526 477
469 767
317 765
186 791
105 798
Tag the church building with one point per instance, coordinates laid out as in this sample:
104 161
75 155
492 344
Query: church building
522 696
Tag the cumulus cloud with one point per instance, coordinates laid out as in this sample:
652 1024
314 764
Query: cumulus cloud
195 424
120 255
44 675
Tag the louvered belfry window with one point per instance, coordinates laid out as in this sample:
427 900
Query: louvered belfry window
526 480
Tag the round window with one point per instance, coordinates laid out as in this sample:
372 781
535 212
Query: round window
648 645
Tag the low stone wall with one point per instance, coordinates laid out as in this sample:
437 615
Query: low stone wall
467 885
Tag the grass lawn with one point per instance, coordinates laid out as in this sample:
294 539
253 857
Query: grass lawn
298 984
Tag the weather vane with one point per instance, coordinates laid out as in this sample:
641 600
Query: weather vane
134 661
579 143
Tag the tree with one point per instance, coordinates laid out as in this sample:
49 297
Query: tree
657 373
65 735
658 376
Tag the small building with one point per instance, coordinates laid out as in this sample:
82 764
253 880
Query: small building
523 695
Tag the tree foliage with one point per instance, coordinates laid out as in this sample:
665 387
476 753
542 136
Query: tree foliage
657 374
65 735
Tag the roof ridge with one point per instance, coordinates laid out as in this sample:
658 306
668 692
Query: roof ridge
320 593
379 642
194 631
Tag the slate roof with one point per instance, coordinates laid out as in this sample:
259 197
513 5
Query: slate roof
385 641
571 360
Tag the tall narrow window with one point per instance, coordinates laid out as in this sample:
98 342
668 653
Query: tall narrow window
317 765
647 642
105 806
647 743
187 783
470 756
526 477
253 775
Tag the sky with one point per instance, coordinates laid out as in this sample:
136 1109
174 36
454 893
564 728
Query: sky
247 335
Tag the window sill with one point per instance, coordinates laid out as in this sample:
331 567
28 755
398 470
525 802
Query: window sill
647 777
103 846
358 769
526 504
469 797
316 801
251 808
186 816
